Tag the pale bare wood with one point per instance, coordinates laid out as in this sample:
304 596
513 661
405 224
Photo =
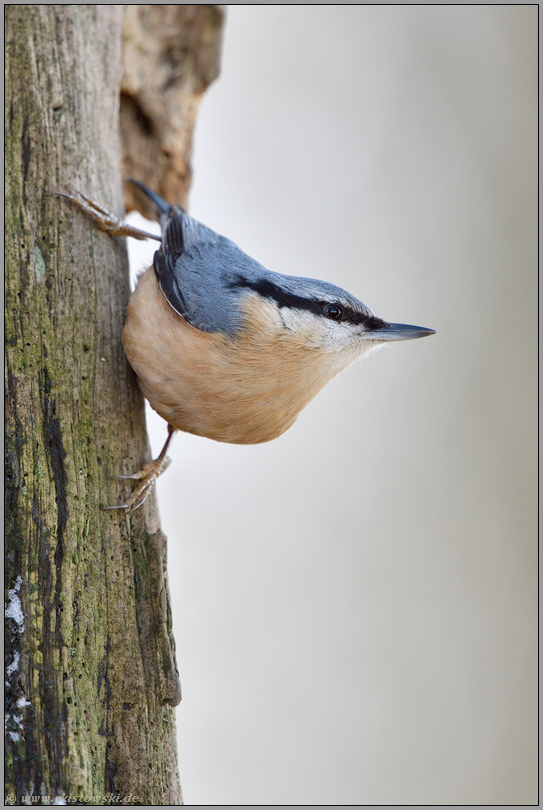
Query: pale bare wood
171 55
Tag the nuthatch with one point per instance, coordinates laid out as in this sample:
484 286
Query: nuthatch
224 348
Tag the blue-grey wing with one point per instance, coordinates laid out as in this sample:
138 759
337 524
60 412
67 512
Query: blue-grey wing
196 268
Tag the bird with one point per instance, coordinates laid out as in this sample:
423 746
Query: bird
224 348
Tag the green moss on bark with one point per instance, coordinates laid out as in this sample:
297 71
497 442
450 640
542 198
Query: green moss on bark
92 682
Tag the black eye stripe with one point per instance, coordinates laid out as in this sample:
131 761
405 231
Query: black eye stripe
282 298
349 315
369 321
286 299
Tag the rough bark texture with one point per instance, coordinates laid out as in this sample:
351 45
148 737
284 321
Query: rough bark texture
91 670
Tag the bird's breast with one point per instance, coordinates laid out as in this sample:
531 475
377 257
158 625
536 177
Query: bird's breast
243 390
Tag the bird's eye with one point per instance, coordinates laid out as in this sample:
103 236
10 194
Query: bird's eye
333 311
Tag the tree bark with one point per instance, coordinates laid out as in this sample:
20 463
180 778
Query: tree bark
91 672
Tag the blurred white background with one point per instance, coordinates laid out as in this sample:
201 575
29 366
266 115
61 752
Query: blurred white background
355 603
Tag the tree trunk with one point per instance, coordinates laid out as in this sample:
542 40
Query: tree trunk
91 672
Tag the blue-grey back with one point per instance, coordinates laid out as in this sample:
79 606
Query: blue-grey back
204 277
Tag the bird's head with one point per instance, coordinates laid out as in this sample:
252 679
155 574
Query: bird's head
318 315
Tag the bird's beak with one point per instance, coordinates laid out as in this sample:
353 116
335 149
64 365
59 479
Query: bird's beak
399 331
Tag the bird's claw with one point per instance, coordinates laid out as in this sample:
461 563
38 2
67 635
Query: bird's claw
105 220
147 477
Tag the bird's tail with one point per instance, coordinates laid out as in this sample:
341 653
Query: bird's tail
160 204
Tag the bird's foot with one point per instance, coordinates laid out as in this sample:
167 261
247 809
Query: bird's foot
147 477
105 220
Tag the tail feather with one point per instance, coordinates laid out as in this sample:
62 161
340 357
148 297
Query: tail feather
160 203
